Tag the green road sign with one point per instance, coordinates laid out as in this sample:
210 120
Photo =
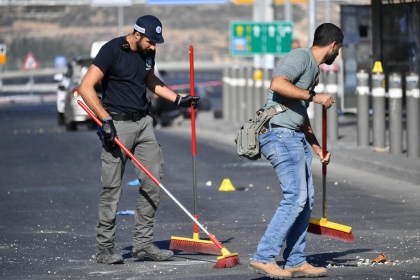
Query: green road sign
248 38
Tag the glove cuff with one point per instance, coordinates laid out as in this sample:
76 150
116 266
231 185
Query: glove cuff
107 119
177 99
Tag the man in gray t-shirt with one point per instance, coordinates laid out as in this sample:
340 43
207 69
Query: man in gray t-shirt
286 145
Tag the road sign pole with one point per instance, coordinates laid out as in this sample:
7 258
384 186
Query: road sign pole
31 82
1 76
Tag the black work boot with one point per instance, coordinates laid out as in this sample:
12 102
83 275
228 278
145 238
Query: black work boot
153 252
108 256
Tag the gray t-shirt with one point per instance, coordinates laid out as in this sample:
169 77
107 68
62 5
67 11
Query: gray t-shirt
300 67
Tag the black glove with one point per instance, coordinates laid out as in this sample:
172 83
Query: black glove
187 101
109 133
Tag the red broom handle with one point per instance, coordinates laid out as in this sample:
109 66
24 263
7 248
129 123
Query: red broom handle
324 138
193 139
133 158
119 143
193 94
324 166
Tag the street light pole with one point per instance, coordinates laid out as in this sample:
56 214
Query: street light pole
312 21
120 20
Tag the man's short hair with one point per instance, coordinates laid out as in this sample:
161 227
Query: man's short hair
326 34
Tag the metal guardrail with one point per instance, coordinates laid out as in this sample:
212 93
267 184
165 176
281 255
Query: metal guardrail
53 2
167 66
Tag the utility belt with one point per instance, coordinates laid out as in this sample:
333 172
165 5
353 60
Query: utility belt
128 117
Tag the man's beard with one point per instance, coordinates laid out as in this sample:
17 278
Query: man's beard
140 49
330 59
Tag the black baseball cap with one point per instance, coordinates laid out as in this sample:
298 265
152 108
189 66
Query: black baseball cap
151 27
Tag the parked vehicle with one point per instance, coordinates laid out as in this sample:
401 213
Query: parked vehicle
165 112
199 90
63 84
67 90
73 113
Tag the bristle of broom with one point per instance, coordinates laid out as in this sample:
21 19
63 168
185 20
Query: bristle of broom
227 259
332 233
194 245
227 262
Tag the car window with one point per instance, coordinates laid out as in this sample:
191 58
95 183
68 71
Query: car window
69 71
80 68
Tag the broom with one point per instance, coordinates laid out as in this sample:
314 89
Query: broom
323 226
227 259
194 244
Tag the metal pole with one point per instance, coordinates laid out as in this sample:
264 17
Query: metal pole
250 106
267 76
362 108
312 21
241 101
288 10
120 20
378 105
225 93
327 10
31 82
395 113
258 85
332 113
413 115
1 78
234 94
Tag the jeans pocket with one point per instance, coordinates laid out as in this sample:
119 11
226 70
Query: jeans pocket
267 147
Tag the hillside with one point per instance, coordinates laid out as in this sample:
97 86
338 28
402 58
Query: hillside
71 31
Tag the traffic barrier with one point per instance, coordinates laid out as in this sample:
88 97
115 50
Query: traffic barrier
413 116
267 77
395 113
250 106
234 93
259 93
316 124
225 94
331 87
362 90
240 105
378 106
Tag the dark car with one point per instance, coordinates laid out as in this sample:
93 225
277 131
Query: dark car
164 112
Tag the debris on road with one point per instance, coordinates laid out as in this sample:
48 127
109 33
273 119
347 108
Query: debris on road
381 259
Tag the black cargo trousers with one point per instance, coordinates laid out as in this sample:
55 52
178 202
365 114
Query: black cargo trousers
139 138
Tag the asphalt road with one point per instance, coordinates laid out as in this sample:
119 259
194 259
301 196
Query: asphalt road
50 184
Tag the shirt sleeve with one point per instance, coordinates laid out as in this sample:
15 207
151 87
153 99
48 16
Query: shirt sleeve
294 65
105 57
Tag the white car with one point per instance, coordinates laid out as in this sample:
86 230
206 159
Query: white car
63 84
73 113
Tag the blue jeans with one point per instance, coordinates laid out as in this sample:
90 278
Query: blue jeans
291 157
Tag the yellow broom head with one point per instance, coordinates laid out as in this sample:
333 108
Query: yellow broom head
325 223
330 229
227 259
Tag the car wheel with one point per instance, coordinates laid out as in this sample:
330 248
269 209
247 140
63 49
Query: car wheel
60 118
218 114
71 126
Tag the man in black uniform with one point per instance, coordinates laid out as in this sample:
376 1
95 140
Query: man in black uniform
125 65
